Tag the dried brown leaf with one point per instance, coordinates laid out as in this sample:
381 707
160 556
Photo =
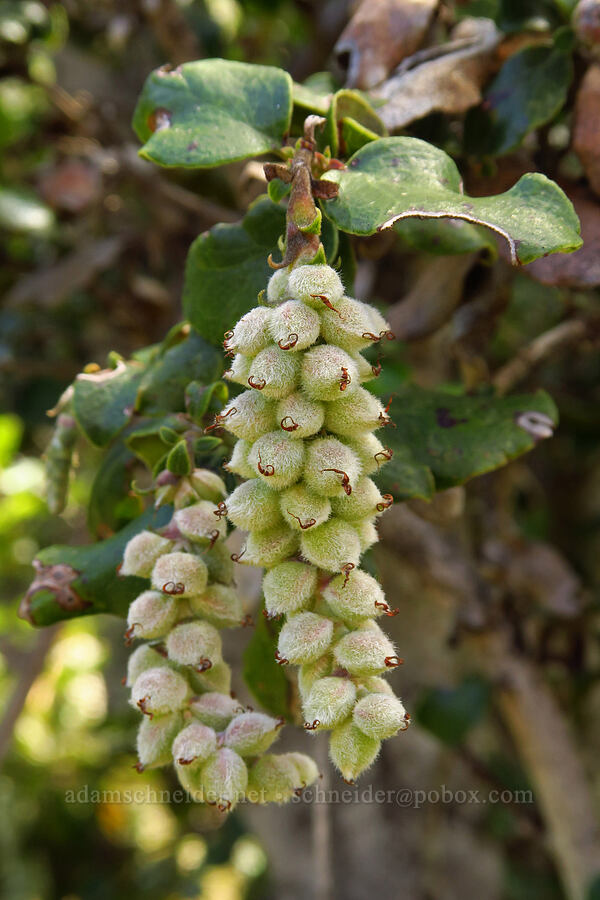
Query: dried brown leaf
586 128
447 78
381 34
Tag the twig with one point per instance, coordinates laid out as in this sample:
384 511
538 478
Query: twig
539 349
321 829
32 665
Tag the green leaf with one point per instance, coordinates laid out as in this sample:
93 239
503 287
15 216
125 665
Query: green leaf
528 91
145 441
351 123
263 675
110 484
227 268
455 437
96 586
446 237
162 389
211 112
401 177
450 714
178 460
103 402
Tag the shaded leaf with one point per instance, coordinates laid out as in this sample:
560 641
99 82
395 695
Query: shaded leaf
264 677
456 437
446 237
145 441
105 514
163 385
528 91
351 123
401 177
103 402
450 714
96 583
211 112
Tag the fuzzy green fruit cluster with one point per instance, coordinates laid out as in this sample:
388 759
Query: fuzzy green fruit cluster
178 678
306 446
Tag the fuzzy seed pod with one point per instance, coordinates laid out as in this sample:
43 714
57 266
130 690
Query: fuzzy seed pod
277 459
159 691
216 678
151 615
305 766
314 451
219 563
143 657
300 417
274 779
330 701
251 334
239 370
199 524
289 587
331 546
364 651
274 372
208 485
224 779
354 599
379 716
251 733
302 509
304 637
220 605
193 746
215 709
322 376
294 326
154 739
196 644
311 283
249 415
351 751
179 574
277 288
253 506
141 553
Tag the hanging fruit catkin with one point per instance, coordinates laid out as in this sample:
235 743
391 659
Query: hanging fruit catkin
179 680
306 447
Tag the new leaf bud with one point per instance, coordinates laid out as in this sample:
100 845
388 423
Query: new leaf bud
351 751
277 459
310 283
193 746
249 415
224 779
289 587
330 701
364 651
302 509
254 506
180 574
304 637
298 416
267 548
379 716
220 605
141 552
194 644
294 326
251 334
199 524
331 546
276 370
151 615
154 739
251 733
328 373
355 598
160 691
215 709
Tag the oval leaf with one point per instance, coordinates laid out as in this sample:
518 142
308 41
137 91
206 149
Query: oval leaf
211 112
401 177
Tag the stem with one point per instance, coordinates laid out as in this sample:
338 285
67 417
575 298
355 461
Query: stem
321 828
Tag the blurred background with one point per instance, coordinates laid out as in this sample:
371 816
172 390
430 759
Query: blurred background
498 582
